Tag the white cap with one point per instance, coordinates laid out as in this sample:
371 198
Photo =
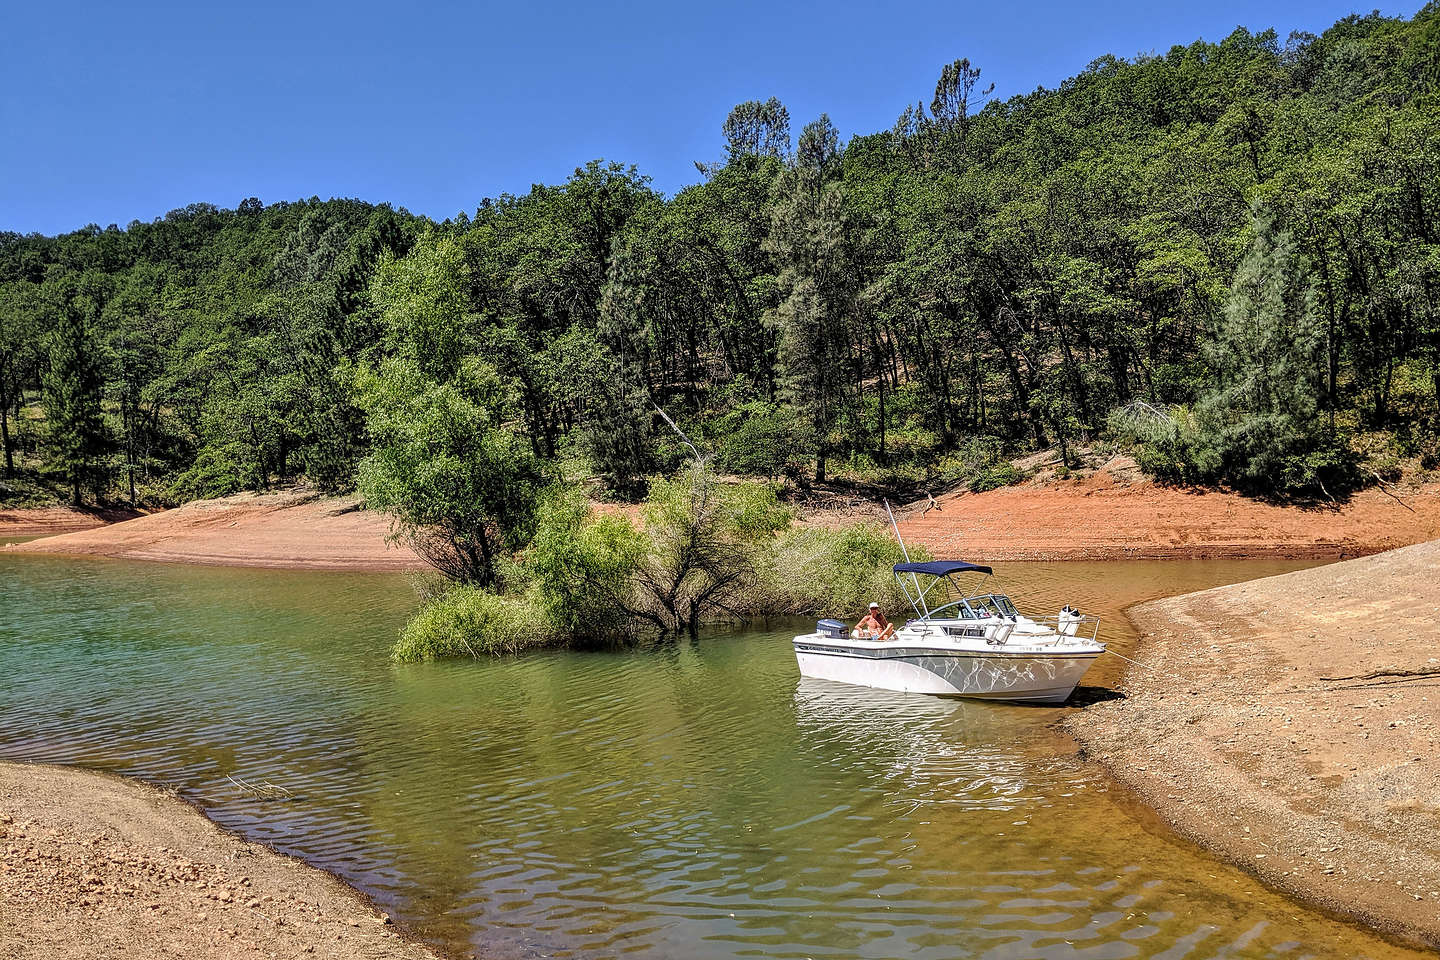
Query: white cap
874 605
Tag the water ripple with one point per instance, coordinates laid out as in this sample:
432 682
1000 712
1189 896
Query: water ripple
694 799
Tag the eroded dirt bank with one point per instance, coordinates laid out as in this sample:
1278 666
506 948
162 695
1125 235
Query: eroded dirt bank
290 529
1115 513
1112 513
96 865
1290 724
48 521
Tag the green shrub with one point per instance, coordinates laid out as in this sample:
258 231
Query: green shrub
861 468
709 552
829 572
220 469
753 511
1419 440
972 456
763 440
580 566
994 477
1164 460
467 621
1156 438
598 577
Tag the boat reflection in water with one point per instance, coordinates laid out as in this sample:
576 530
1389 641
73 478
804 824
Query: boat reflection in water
934 749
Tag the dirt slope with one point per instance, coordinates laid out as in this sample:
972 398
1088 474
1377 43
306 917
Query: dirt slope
1115 513
286 529
1112 513
47 521
1290 724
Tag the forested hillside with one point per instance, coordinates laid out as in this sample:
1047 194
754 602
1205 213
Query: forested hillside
1245 236
207 352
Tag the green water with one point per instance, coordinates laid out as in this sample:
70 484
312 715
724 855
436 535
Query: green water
687 800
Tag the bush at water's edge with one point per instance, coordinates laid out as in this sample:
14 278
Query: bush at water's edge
466 621
802 571
828 572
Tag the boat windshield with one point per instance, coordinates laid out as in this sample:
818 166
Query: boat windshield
992 605
942 597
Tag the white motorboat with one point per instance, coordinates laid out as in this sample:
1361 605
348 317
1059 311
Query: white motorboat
975 645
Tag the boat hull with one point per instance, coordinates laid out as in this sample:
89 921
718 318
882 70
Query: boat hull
1033 677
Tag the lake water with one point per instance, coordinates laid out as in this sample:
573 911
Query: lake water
685 800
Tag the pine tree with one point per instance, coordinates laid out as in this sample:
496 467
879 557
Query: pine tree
1260 427
73 382
820 284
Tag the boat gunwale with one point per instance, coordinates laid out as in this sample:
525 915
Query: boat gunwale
898 652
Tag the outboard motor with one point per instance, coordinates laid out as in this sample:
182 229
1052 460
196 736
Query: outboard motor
833 629
1068 622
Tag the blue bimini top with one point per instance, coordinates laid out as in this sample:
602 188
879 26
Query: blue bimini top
941 568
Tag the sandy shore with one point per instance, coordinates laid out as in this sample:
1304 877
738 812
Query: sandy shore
96 865
290 529
1290 724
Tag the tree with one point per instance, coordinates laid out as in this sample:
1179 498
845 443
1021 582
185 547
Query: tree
423 301
460 485
617 437
315 280
19 338
582 567
73 387
703 542
1259 427
955 96
821 289
137 328
758 129
998 270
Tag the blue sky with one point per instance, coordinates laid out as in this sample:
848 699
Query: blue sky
112 112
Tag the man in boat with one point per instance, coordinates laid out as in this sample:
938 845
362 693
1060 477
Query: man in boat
875 626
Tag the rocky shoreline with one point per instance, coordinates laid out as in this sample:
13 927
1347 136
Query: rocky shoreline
98 865
1289 725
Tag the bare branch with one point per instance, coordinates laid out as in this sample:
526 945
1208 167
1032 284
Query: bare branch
1387 493
678 432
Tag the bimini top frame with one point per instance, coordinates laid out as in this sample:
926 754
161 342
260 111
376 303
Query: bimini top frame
939 571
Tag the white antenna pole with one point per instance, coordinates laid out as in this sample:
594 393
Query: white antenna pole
896 527
919 600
